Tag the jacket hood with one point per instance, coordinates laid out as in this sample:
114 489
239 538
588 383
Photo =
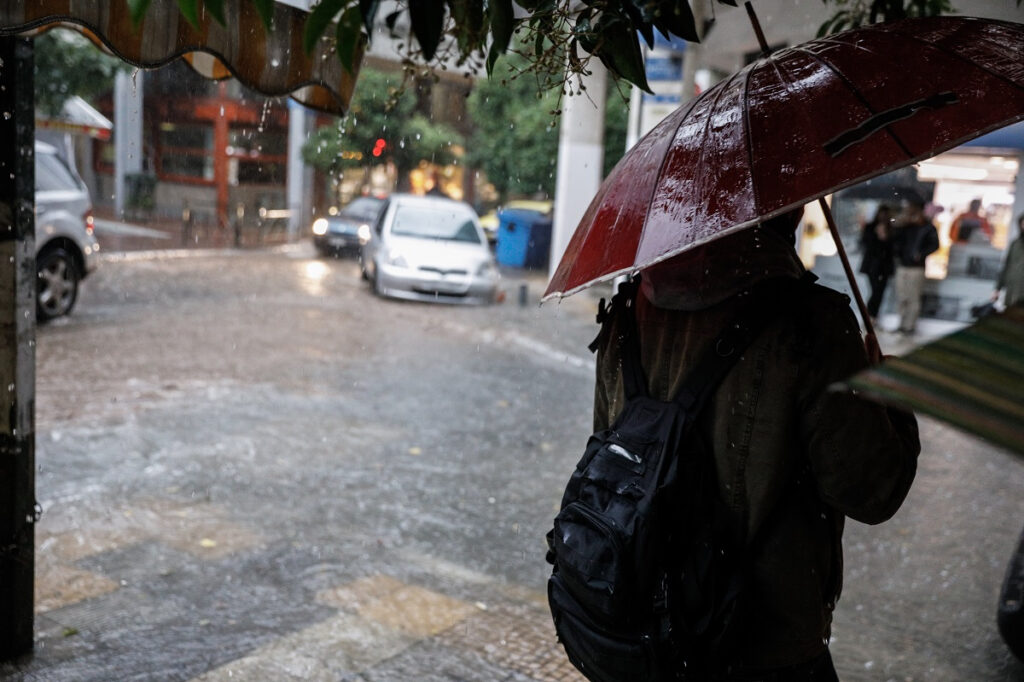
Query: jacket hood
709 274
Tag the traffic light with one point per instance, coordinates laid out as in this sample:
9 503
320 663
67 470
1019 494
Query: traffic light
379 146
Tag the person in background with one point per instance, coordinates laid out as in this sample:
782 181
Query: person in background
877 262
971 225
915 238
1011 278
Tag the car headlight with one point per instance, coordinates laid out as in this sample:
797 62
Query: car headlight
396 259
487 269
320 226
364 233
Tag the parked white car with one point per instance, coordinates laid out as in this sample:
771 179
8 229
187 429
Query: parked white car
429 249
65 246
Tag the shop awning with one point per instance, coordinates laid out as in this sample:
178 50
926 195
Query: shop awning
271 62
77 116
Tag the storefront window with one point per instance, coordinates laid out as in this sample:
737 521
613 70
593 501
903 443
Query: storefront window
186 151
252 140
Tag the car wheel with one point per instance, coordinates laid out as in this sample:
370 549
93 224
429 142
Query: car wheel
57 284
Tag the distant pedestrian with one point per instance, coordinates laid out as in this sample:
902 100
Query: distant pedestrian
915 238
877 264
1011 278
971 225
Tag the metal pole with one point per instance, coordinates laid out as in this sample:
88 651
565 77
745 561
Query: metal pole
870 340
18 509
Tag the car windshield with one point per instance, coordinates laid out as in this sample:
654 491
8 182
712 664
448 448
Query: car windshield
363 208
435 222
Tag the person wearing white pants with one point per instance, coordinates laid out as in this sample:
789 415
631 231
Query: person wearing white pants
915 238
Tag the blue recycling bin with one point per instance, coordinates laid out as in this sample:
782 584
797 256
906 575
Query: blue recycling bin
524 239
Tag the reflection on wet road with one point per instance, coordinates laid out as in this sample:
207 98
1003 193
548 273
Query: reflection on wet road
253 469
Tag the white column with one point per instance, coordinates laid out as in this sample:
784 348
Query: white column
580 155
128 149
296 186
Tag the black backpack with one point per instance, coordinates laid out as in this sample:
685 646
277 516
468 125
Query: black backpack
649 565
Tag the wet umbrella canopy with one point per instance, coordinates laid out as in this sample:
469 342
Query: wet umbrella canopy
795 126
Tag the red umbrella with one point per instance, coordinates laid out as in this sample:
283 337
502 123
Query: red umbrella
792 127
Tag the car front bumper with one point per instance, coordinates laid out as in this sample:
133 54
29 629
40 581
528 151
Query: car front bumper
419 285
334 241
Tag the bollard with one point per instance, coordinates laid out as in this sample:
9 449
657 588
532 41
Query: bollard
239 218
523 295
186 224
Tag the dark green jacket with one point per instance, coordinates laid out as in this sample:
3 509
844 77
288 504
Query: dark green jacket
1011 277
793 458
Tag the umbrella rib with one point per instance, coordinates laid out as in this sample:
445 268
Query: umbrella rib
664 161
856 93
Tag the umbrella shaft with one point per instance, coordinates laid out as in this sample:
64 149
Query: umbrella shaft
765 50
869 328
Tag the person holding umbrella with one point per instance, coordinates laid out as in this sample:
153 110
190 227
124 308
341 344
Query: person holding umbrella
793 458
704 207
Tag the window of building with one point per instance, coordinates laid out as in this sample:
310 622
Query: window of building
186 151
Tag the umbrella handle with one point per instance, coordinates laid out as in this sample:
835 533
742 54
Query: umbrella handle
870 339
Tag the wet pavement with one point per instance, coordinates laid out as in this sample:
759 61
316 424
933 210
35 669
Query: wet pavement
251 468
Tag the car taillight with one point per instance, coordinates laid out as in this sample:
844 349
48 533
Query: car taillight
87 217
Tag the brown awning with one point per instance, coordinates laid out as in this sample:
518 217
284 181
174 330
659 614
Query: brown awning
271 62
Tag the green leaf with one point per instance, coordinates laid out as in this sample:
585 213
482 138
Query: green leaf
427 25
265 8
318 21
349 37
190 10
677 18
216 8
502 24
392 19
368 8
619 49
469 24
137 9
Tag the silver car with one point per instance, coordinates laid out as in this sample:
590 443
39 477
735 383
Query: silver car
429 249
66 249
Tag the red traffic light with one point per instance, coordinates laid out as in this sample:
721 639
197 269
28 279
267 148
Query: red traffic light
379 146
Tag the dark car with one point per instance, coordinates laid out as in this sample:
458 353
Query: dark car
348 229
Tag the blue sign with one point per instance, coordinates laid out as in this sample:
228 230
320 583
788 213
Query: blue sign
661 99
664 68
